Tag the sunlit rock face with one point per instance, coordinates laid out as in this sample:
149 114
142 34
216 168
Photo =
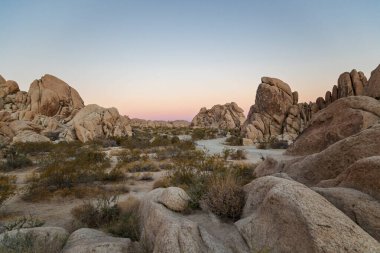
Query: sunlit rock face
51 96
227 116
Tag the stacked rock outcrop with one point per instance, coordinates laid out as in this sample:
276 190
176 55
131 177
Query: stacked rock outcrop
276 112
227 116
48 112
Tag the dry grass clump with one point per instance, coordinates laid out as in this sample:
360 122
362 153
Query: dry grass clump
128 223
94 215
120 219
225 197
7 187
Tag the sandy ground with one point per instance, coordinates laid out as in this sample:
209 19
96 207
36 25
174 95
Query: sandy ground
254 155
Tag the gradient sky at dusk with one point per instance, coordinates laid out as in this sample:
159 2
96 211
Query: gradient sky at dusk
166 59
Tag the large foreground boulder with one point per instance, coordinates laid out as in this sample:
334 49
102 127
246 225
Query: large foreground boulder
39 239
228 116
329 163
51 96
343 118
166 231
94 121
282 215
361 208
363 175
86 240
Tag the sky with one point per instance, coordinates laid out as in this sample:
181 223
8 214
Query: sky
163 59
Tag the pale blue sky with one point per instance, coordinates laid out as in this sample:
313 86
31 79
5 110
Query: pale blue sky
167 59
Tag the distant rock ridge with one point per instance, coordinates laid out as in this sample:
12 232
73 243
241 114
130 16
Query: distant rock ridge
227 116
142 123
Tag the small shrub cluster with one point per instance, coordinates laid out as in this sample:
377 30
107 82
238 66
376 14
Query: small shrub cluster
14 159
120 219
7 187
204 133
234 154
24 222
273 143
225 197
29 243
210 180
234 141
94 215
67 171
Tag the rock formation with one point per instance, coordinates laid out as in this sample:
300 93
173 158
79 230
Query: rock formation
281 213
51 96
277 113
274 113
373 87
343 118
90 240
227 116
94 122
47 113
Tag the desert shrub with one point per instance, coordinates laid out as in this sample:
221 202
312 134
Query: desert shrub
114 175
7 187
279 144
128 156
234 141
14 159
141 166
24 222
60 171
225 197
120 219
94 215
273 143
146 176
243 172
33 148
127 224
197 173
238 154
198 134
29 243
226 153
